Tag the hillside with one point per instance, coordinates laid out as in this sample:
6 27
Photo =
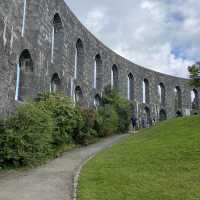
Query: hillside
160 163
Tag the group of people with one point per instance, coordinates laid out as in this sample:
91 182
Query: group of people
144 122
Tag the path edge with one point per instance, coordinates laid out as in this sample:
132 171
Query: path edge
77 175
78 172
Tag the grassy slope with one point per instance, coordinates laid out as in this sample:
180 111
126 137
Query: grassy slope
161 163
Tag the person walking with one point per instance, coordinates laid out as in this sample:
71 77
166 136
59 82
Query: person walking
134 122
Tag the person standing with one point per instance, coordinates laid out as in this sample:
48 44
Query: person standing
134 122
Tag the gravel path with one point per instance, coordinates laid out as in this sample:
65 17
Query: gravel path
53 181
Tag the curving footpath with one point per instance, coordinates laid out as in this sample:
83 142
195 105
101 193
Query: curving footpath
53 181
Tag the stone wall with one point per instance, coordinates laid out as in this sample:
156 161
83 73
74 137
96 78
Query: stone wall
33 31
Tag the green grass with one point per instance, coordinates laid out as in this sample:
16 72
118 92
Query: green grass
161 163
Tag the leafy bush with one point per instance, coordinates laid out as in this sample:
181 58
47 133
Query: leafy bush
26 137
66 117
45 128
107 121
86 133
124 112
121 106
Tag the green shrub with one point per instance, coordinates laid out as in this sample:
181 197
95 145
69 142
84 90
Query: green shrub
52 124
122 107
86 134
107 121
66 116
124 112
26 137
89 116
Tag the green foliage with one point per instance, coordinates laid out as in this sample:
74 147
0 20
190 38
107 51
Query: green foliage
86 133
122 107
194 71
45 128
26 137
66 117
107 121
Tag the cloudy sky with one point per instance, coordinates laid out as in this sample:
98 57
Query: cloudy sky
163 35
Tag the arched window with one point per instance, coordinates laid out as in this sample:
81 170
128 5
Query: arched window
130 87
97 100
57 23
178 100
161 94
179 114
79 60
98 72
194 100
162 115
146 96
78 95
146 118
24 83
57 39
55 83
114 77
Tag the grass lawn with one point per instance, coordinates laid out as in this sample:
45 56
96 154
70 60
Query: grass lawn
160 163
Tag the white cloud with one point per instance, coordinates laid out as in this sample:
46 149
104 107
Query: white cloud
95 20
147 5
163 35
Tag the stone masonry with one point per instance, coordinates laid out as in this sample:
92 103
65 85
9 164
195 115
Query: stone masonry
44 47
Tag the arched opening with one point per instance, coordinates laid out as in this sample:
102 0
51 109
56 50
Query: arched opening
179 114
57 22
79 60
130 87
57 39
24 84
79 96
178 100
114 77
161 94
146 96
97 100
162 115
98 72
194 100
146 118
55 83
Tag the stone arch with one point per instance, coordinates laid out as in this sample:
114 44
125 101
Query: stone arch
130 87
57 23
57 39
178 100
97 100
79 60
162 115
114 77
194 100
146 118
79 96
146 95
179 113
55 83
161 94
25 76
98 72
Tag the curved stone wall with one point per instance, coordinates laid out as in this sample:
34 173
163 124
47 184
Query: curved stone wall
45 47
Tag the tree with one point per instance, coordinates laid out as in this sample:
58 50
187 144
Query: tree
194 72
